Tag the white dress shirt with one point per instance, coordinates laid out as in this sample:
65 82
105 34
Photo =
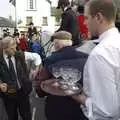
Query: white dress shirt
34 57
28 56
102 78
87 47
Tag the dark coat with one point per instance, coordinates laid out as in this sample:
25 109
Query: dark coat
69 23
31 32
22 73
61 107
3 114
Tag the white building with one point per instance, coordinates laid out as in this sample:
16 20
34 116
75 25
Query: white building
36 11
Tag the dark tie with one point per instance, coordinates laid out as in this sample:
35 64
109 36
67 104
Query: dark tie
12 73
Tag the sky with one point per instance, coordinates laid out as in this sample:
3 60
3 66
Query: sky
4 8
54 2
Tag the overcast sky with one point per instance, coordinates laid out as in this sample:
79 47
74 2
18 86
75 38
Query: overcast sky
54 2
4 8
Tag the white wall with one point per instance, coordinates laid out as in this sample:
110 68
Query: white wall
54 2
4 8
43 10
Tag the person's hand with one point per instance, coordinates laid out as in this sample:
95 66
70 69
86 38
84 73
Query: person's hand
81 98
33 73
51 82
3 87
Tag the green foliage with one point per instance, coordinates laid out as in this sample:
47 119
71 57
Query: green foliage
57 13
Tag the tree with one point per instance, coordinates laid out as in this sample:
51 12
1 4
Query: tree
58 13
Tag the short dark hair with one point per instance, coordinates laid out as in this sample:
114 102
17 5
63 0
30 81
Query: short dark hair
80 9
31 23
106 7
63 3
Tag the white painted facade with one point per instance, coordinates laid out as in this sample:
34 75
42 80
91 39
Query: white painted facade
41 8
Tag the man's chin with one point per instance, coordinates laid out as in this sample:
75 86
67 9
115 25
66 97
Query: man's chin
12 54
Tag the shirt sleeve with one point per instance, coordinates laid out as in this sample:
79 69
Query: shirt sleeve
34 57
100 87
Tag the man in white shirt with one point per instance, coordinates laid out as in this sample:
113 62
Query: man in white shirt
101 97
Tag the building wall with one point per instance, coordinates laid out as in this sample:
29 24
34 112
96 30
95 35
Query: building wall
42 10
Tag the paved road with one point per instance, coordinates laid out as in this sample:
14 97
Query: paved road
37 105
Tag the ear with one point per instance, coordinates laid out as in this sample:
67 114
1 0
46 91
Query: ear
99 17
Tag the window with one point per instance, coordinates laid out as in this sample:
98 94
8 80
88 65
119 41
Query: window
31 4
29 20
44 21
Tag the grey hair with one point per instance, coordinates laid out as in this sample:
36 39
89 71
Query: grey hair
5 42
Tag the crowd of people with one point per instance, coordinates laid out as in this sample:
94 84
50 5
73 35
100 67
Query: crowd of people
98 66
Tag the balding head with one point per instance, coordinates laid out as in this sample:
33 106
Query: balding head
62 35
61 39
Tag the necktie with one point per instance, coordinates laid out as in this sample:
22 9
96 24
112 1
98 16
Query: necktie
12 73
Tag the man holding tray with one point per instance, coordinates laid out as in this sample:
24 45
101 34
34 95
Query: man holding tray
61 107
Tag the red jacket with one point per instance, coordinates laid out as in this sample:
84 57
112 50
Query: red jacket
22 44
82 27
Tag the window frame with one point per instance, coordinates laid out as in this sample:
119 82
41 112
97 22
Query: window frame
34 6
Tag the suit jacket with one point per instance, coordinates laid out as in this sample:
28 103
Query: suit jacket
3 113
69 23
22 73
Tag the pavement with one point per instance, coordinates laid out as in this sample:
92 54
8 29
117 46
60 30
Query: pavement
37 107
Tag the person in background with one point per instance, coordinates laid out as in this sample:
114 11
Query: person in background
22 43
31 31
15 31
101 79
36 46
14 77
81 20
16 38
117 22
5 33
69 21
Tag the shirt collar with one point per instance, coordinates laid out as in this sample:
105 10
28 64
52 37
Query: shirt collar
107 33
5 56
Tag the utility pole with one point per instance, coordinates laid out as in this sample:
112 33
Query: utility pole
13 2
15 14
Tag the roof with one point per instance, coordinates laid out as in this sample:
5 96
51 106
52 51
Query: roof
13 2
49 1
4 22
